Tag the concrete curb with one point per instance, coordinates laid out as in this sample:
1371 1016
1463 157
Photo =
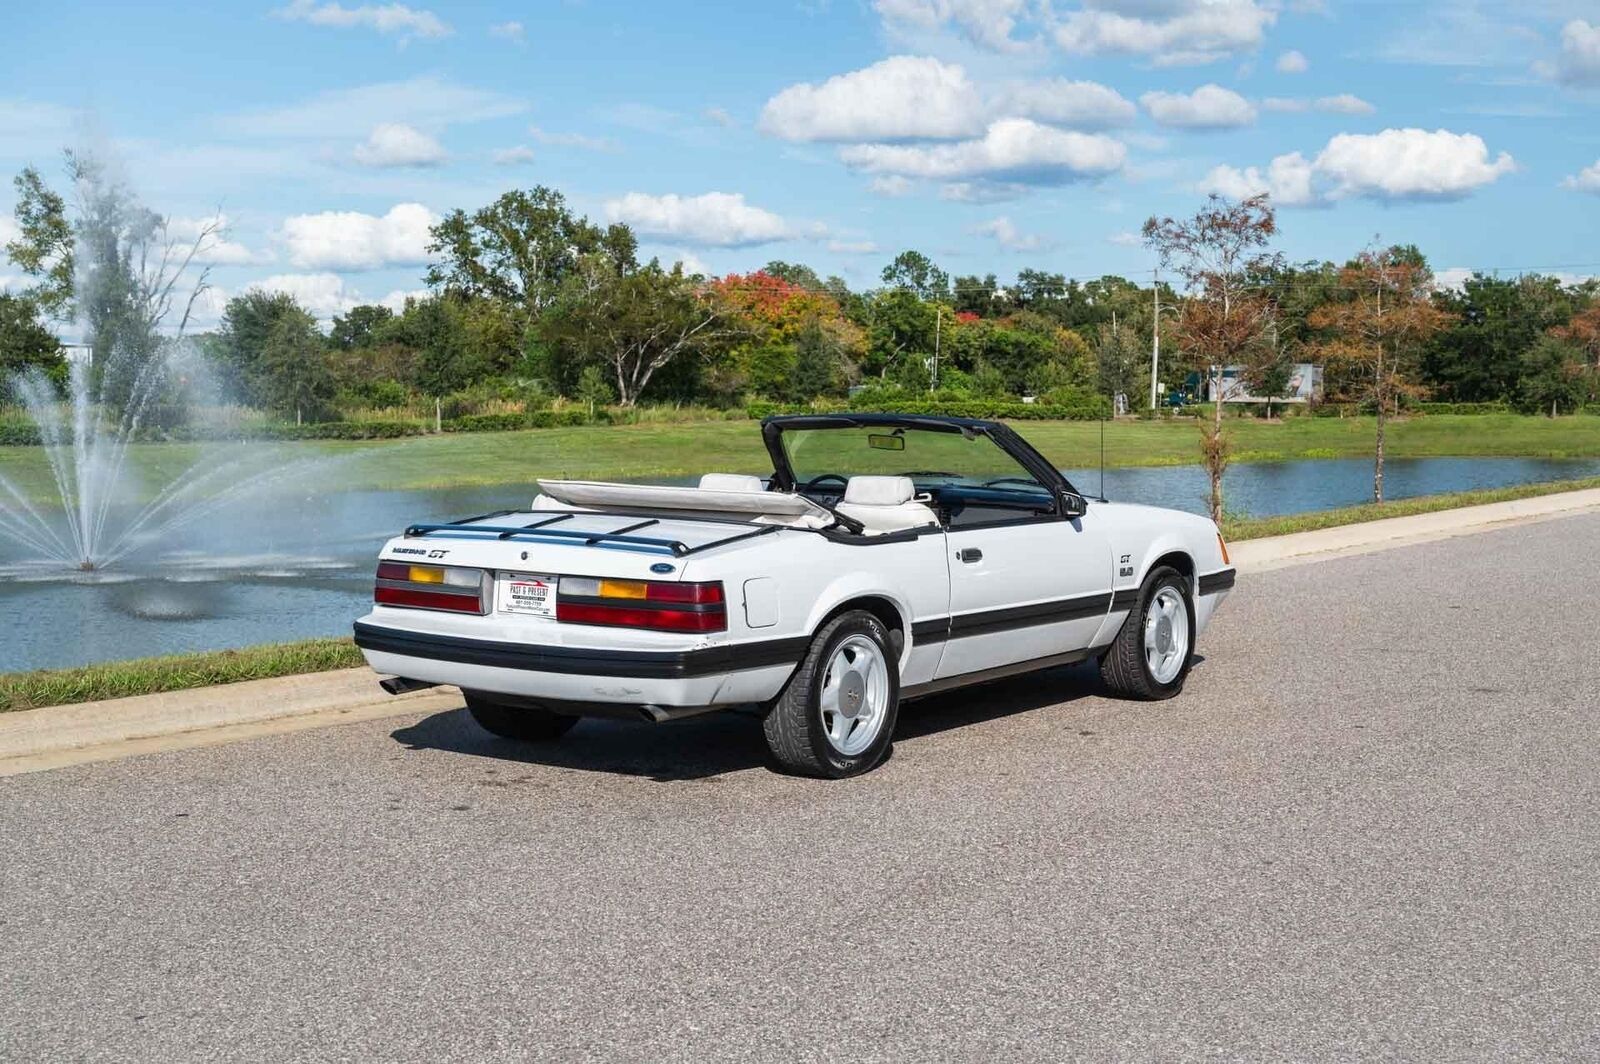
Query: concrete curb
1299 548
34 733
38 739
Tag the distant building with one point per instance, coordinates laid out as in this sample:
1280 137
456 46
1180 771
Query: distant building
1304 384
75 353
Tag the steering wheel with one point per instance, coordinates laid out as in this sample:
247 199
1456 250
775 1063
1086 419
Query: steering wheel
818 479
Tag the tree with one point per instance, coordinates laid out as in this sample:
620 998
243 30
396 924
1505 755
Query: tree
1376 334
1583 332
1497 319
635 323
295 378
43 247
1554 375
521 248
916 272
358 327
26 344
248 322
977 295
795 273
1224 318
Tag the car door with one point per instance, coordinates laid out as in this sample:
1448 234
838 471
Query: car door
1024 589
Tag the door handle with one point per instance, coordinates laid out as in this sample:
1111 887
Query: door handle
970 555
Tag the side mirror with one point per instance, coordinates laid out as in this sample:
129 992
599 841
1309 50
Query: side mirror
1073 504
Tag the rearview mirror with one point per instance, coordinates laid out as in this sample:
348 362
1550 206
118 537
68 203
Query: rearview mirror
886 443
1072 504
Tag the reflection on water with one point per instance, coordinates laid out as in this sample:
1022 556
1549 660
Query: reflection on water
293 567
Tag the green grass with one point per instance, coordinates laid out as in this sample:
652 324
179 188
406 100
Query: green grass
1258 527
119 679
667 450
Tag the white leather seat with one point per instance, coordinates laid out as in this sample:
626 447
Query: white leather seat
884 504
731 482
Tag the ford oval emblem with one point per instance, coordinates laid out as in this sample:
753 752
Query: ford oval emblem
662 567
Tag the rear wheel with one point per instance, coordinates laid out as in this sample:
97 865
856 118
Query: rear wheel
1150 658
836 717
528 723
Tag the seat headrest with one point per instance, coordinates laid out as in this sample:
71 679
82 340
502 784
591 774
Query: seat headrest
879 491
731 482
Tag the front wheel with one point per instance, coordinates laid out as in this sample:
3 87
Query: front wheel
1150 658
836 716
530 724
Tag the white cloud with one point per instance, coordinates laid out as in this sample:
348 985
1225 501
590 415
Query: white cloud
396 300
899 98
1410 163
1585 180
425 102
350 240
720 219
1008 236
1170 32
1288 180
718 116
1125 239
1393 164
571 140
514 156
1208 107
1292 62
986 23
1342 104
853 247
1012 149
218 250
323 294
691 263
892 185
510 31
9 231
397 144
388 19
1076 104
1579 61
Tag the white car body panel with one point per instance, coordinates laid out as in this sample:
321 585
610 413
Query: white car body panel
1045 590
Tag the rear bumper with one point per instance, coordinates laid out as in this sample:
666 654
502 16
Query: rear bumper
704 676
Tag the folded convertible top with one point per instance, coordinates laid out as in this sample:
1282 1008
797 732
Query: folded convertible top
773 506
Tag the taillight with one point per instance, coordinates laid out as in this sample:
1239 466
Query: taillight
677 607
429 587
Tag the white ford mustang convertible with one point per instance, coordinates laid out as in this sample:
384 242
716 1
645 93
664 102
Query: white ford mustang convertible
886 557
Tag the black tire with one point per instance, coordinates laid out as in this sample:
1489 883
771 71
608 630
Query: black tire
1123 667
527 723
794 726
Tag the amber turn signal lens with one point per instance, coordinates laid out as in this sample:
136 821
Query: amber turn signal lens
1224 546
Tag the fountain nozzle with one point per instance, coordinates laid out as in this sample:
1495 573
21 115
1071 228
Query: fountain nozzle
87 565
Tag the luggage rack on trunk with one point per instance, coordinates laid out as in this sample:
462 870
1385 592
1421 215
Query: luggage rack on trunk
620 539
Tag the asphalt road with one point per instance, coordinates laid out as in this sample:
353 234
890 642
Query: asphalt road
1369 828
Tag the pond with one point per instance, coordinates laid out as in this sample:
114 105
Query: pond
297 566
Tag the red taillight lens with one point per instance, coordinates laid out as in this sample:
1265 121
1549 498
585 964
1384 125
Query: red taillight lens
680 607
429 587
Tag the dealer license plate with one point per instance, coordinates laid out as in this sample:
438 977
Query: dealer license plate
530 594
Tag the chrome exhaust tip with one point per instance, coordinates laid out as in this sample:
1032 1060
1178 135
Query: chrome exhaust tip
400 685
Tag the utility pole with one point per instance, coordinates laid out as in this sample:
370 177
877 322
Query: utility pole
1155 331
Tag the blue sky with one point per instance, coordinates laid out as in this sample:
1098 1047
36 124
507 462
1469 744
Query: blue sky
991 134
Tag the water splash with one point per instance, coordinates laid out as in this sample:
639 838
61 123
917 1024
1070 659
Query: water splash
103 510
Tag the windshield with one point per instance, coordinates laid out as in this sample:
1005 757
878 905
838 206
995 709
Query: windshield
824 458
